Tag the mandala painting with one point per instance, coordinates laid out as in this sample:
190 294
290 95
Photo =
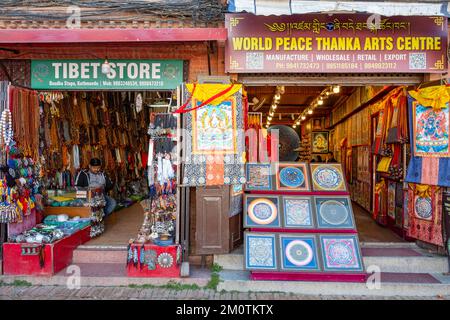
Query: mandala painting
299 253
260 251
298 212
259 176
292 177
319 142
261 211
334 213
423 208
341 253
431 131
327 177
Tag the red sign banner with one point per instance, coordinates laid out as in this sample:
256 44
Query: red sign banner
324 43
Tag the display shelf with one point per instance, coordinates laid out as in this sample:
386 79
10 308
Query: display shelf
82 212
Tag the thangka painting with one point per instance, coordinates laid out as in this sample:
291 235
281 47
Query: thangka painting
260 251
261 211
298 212
299 253
214 144
430 131
258 176
391 199
292 177
319 142
334 212
341 253
327 177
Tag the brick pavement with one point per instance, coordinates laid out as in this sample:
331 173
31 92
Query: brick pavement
9 292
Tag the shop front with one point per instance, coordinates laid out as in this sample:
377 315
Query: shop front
90 147
348 102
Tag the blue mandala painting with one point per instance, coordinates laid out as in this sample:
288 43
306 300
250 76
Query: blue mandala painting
334 213
299 253
327 177
341 253
258 176
292 176
260 251
298 212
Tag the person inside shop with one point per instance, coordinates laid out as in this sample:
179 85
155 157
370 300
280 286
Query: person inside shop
330 158
96 178
316 158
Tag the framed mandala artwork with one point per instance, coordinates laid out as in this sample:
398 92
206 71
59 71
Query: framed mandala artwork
259 176
423 208
292 176
261 211
298 212
260 251
334 212
341 253
299 253
327 177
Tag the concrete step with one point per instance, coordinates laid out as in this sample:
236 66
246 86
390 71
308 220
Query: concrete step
398 259
391 285
100 254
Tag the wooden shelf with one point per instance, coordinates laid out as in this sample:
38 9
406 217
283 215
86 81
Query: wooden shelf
82 212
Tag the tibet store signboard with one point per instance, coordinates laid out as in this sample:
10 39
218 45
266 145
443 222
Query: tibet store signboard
335 43
124 74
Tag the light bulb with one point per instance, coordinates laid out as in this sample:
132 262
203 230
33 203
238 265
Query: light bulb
298 123
271 114
294 126
320 102
269 118
336 89
303 117
106 67
310 111
277 96
274 107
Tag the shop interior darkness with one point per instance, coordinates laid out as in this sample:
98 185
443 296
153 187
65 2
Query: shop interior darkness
201 11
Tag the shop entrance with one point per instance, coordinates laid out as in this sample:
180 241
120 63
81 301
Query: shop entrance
344 124
111 126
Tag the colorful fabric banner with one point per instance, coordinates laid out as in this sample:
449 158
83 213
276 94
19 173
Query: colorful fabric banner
214 143
432 167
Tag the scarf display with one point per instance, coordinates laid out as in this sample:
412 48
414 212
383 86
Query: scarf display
215 145
425 214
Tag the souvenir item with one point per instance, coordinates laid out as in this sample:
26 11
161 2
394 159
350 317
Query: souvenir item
260 251
391 199
327 177
215 147
165 260
334 212
298 212
150 259
292 177
258 176
299 252
261 211
319 142
341 253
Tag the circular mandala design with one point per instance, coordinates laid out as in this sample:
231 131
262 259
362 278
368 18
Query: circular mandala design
299 253
423 208
165 260
333 212
292 177
340 253
262 211
327 178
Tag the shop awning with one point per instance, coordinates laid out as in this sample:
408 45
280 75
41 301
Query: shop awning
111 35
287 7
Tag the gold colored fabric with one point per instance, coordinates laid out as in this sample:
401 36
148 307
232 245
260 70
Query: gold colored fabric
435 97
205 91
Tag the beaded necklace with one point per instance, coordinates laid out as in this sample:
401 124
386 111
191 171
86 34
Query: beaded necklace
6 127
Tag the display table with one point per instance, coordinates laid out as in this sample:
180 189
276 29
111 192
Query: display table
42 260
158 261
82 212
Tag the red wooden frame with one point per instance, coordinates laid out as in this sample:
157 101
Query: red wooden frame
16 36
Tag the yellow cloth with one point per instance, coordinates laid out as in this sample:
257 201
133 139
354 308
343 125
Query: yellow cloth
380 186
424 191
61 199
435 97
205 91
383 165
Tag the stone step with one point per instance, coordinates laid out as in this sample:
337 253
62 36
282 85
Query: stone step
391 285
100 254
397 260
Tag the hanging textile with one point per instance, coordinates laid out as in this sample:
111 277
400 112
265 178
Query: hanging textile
425 213
215 153
430 162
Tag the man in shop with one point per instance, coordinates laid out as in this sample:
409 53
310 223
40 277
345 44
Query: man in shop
330 158
96 178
